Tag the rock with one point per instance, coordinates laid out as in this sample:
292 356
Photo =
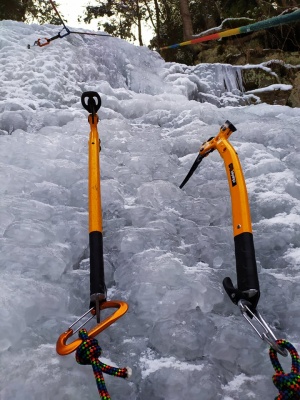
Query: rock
283 81
294 99
274 94
261 68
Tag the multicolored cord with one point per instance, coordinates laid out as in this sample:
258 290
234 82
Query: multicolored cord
257 26
87 354
288 385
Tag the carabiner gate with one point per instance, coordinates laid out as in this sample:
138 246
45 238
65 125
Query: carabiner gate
63 348
266 334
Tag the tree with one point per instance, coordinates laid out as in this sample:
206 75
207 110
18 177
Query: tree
28 11
170 22
123 16
153 16
11 9
207 16
175 21
186 19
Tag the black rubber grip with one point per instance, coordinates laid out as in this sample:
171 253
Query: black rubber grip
97 281
246 268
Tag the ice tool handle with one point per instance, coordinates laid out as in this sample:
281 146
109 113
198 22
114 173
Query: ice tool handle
247 278
91 101
246 294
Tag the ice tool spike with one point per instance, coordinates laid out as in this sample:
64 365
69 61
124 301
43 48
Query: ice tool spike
192 170
195 165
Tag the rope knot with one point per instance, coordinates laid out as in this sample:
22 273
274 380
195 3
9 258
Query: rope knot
89 350
88 353
288 385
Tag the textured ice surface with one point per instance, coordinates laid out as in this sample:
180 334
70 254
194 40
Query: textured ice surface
166 250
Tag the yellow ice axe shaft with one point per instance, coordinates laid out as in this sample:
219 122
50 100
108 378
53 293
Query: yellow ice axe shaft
240 205
91 101
247 277
97 281
95 214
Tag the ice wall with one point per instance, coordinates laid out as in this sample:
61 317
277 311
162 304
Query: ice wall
218 84
166 250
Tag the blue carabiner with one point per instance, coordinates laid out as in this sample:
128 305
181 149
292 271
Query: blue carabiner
66 34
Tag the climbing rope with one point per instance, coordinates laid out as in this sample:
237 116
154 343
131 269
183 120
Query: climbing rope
88 353
266 24
288 385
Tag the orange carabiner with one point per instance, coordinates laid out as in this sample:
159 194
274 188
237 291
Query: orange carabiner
43 42
63 348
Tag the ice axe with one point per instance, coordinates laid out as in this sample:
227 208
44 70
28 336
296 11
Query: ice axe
246 294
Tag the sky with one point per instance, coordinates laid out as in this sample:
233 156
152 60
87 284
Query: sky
71 9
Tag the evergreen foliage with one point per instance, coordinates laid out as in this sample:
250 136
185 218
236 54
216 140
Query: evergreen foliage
207 15
123 15
167 22
28 11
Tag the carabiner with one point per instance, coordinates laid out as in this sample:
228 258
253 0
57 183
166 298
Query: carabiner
63 348
266 335
42 42
66 34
